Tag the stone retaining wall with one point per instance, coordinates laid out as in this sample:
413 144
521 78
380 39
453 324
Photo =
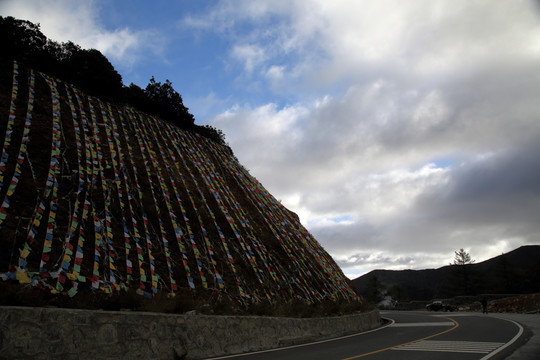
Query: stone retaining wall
50 333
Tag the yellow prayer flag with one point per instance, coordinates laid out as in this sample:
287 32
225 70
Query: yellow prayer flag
22 277
25 253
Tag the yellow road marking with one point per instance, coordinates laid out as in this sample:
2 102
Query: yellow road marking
407 343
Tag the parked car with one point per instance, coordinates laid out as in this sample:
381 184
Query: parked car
438 305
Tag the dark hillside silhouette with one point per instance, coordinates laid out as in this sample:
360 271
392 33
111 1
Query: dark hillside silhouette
516 272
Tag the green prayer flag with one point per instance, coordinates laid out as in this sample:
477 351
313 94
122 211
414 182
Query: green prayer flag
72 292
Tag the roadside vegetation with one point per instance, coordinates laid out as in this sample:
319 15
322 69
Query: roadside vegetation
13 294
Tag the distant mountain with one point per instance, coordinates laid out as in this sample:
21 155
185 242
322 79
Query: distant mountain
516 272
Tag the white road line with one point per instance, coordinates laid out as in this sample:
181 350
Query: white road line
474 347
391 322
513 340
434 323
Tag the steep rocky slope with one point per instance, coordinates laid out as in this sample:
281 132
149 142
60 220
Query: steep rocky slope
99 198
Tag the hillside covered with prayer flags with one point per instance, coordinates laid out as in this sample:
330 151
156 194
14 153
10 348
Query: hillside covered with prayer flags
100 198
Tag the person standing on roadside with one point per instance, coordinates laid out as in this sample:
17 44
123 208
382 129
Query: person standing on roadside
484 305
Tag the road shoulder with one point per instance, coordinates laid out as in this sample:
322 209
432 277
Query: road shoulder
530 339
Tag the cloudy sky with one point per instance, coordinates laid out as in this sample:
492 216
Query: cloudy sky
399 131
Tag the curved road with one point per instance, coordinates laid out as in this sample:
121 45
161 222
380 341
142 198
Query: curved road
412 335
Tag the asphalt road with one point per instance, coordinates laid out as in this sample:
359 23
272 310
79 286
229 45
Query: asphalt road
413 335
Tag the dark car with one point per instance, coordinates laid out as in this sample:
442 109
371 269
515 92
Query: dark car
438 305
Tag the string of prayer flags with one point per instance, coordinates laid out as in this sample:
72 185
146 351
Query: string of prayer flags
135 225
76 212
97 177
259 247
208 244
49 193
148 128
176 192
149 246
212 215
11 121
23 146
166 196
302 284
205 166
118 166
90 177
108 245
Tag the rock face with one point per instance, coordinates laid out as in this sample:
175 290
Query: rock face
97 197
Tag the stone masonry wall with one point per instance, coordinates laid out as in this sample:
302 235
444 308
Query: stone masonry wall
50 333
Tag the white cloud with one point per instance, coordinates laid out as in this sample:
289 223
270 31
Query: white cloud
411 83
430 112
250 55
429 38
275 72
208 106
349 41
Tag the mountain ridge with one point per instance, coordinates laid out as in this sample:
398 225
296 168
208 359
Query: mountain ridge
514 272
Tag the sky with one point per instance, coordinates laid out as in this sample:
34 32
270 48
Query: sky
399 131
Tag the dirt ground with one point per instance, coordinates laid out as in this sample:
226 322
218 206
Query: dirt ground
518 304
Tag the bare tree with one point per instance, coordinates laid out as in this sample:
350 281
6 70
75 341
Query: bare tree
464 276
